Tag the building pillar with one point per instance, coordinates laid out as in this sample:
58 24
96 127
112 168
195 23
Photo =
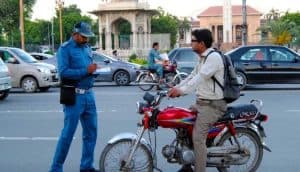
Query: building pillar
116 40
108 34
100 34
216 34
108 41
134 34
234 34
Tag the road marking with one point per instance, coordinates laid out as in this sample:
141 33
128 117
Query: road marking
293 110
39 111
30 138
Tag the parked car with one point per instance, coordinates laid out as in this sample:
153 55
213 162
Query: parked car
265 64
41 56
111 69
26 72
185 58
5 80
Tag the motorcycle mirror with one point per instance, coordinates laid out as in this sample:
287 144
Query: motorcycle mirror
149 98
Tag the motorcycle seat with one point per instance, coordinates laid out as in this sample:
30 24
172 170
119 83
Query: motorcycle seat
241 111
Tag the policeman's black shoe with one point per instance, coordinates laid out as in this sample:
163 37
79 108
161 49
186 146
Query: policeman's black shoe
90 170
186 168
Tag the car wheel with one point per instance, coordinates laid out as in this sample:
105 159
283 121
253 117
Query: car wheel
242 80
4 94
44 89
29 85
122 78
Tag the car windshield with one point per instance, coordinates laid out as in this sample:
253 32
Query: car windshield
105 56
24 56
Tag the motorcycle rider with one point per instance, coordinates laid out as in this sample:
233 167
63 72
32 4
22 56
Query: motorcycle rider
155 61
209 102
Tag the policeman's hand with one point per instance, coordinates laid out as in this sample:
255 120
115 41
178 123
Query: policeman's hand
92 68
174 92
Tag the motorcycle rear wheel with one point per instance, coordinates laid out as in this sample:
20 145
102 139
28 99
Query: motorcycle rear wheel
114 156
146 82
251 141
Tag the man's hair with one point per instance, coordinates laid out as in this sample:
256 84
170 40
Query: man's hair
204 35
154 44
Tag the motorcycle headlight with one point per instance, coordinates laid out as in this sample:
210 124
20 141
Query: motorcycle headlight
139 107
44 70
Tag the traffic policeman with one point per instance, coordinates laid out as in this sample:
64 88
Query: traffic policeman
75 63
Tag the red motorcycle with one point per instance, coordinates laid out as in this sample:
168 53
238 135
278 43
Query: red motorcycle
235 142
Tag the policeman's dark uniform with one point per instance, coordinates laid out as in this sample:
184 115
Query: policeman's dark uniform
73 61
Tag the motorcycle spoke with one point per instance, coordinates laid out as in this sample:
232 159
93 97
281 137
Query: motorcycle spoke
118 155
248 142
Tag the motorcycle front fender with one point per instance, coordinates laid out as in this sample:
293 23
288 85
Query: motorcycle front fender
130 136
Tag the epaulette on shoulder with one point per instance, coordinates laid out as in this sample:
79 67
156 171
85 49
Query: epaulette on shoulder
65 44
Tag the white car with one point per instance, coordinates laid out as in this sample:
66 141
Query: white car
28 73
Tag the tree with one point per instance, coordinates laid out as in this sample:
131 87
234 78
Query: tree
295 31
9 17
165 23
70 16
281 30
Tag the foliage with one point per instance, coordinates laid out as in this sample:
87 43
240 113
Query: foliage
70 16
140 61
37 32
132 57
283 29
165 23
9 17
295 31
281 32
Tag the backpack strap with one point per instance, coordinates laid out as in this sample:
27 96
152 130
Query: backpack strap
213 77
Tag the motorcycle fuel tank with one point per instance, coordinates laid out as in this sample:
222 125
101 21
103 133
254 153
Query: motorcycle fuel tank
174 117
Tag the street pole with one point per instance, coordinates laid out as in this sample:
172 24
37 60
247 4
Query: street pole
22 24
244 25
52 34
60 4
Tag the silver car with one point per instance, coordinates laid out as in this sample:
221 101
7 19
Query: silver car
111 69
5 81
26 72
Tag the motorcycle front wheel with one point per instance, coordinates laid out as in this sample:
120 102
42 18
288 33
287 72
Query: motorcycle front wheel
146 82
249 140
114 157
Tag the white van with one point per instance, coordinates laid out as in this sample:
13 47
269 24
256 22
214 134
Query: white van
28 73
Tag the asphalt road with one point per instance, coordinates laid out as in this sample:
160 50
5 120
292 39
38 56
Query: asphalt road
31 123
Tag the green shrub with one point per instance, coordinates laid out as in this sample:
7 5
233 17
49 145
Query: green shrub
135 59
140 61
132 57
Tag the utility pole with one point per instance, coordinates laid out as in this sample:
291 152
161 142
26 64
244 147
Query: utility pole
22 24
244 25
52 34
60 5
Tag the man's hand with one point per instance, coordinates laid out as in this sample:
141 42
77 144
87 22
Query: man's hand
174 92
92 68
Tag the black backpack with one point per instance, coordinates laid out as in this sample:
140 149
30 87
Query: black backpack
231 87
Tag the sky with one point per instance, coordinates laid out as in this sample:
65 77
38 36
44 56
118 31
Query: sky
45 9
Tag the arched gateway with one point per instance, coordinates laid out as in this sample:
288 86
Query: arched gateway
111 13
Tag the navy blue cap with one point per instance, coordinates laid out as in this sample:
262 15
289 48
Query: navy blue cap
83 29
